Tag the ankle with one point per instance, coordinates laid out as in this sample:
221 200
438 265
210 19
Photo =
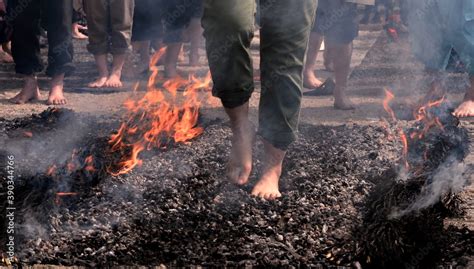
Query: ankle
104 75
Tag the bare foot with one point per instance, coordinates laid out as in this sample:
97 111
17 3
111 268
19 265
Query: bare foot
267 187
30 92
56 95
98 83
465 109
5 57
311 81
240 161
343 103
76 34
114 81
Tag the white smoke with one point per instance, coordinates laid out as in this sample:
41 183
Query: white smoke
450 177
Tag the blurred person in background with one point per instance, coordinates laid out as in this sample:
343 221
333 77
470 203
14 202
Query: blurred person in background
440 31
336 22
78 18
195 32
110 29
147 30
179 15
56 17
380 11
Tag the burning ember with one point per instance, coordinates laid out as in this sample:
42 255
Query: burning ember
426 116
59 195
165 114
28 134
405 211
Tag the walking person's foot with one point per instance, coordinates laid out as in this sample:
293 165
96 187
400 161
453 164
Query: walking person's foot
30 92
268 185
56 95
239 166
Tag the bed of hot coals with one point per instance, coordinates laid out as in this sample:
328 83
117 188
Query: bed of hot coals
347 199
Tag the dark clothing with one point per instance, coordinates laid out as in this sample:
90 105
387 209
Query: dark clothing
147 24
109 26
439 27
177 15
337 21
56 17
5 29
285 27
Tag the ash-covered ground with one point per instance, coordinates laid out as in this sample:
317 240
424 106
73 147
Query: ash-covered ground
178 209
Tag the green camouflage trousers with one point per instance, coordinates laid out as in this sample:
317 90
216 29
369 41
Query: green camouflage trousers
229 26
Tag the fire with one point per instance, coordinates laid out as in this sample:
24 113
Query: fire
51 172
424 115
63 194
389 96
165 114
89 164
403 138
28 134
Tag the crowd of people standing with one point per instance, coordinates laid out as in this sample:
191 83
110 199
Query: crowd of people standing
113 27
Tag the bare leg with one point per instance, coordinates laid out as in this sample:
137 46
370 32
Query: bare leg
240 161
267 187
466 108
328 62
143 49
171 59
56 95
310 80
76 33
30 91
341 55
195 34
114 80
5 54
101 62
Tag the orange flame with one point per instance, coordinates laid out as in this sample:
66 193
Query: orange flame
28 134
89 162
423 115
403 138
63 194
51 170
389 96
164 114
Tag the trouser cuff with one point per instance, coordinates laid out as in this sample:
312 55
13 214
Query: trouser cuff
233 98
66 69
280 140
